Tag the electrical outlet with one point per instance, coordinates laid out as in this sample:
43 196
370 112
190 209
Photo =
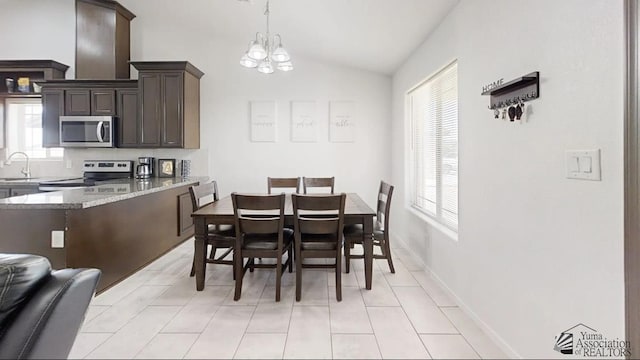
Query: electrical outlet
57 239
69 164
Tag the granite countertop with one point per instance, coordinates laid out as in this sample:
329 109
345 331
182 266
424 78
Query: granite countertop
95 195
33 181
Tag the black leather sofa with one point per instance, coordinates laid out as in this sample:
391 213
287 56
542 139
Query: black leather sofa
41 310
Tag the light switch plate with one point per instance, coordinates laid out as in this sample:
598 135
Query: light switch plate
587 167
57 239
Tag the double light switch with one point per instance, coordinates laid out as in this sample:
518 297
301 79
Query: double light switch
583 164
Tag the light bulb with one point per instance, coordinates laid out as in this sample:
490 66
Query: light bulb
265 67
285 66
257 51
280 54
246 61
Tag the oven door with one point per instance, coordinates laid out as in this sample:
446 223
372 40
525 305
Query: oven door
86 131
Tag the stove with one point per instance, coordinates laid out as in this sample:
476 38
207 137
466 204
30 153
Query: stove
95 172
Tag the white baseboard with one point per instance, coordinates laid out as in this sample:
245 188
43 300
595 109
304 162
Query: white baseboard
492 334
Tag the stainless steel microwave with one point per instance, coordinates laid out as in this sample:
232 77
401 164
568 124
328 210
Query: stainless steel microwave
87 131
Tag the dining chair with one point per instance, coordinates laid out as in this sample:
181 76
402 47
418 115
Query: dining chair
288 183
319 224
218 236
353 234
260 233
308 183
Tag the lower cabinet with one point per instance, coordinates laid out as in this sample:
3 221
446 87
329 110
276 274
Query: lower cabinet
23 191
185 222
7 191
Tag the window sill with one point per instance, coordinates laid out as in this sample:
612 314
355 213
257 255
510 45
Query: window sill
447 231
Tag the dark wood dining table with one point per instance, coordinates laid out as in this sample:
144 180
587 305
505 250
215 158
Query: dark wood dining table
221 212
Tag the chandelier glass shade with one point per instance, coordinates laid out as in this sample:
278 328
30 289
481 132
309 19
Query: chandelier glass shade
266 52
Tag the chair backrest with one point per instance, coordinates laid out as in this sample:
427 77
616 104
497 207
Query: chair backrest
203 194
258 214
318 183
318 214
384 205
292 183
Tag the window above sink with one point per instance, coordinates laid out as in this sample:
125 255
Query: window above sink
23 126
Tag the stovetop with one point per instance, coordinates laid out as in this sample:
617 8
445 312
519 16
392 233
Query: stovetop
96 172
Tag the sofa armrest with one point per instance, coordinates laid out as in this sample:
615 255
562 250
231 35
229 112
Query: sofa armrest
48 323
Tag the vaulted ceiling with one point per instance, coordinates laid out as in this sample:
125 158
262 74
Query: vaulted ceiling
375 35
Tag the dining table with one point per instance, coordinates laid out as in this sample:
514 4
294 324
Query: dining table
220 212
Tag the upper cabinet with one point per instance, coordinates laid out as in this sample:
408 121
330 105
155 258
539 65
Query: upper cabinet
88 98
32 70
102 40
169 110
90 102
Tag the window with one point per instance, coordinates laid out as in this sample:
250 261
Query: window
433 111
24 129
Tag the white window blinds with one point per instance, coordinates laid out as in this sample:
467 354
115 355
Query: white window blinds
434 148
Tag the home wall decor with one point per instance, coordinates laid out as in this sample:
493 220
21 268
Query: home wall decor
303 121
507 100
342 122
263 121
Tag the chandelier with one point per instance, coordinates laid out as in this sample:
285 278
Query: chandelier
266 51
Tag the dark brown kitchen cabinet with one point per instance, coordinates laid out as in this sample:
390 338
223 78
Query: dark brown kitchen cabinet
169 104
90 102
5 193
34 70
128 117
90 97
52 109
17 190
185 208
24 191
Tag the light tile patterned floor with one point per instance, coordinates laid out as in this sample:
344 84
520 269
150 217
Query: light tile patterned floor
158 314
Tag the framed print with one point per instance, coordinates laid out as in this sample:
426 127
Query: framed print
342 122
166 167
263 121
303 121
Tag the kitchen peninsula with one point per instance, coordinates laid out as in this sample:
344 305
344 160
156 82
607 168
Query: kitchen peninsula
117 227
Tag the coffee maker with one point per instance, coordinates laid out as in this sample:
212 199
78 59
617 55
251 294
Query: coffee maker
145 168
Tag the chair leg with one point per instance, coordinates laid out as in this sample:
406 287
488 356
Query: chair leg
347 255
239 274
278 276
290 259
212 254
339 274
193 268
298 276
387 254
252 261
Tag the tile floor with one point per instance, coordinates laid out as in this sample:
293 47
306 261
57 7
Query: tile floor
157 313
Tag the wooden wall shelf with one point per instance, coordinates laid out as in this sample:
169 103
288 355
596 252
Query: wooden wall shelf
524 88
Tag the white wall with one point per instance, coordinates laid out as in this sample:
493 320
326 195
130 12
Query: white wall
537 253
39 30
226 153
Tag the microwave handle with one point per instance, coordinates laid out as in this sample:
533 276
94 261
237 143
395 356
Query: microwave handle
100 131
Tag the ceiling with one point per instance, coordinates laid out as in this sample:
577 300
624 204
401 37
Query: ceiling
375 35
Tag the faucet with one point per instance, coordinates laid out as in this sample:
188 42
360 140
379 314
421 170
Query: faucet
26 171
